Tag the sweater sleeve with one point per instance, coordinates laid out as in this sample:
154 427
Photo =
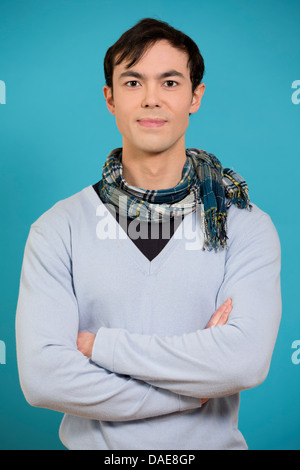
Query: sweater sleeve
221 360
53 373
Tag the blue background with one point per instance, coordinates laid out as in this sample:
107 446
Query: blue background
55 133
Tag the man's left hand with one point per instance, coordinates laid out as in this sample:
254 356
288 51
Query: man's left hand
85 343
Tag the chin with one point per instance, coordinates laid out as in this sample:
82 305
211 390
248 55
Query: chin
155 149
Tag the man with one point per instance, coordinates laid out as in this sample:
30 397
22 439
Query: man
151 299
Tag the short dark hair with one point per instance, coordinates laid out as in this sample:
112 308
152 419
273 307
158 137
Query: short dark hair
135 41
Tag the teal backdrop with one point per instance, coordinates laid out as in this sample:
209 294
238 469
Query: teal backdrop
55 133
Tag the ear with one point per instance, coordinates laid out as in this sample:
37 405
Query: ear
108 95
197 97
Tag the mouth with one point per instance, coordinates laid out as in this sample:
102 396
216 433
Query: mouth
149 122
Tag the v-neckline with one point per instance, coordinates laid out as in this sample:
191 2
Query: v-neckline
123 239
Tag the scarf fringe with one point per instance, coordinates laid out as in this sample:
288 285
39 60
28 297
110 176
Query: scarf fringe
214 227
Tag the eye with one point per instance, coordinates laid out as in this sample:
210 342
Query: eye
132 84
170 84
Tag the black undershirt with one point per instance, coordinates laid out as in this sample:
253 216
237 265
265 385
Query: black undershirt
149 238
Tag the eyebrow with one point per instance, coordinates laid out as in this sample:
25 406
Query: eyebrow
169 73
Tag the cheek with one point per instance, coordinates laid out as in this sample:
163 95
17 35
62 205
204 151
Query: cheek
181 107
182 116
124 111
121 118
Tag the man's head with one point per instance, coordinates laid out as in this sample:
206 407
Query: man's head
153 83
131 46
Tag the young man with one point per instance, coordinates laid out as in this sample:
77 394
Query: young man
151 299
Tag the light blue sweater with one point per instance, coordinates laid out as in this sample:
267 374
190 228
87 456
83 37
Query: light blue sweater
153 360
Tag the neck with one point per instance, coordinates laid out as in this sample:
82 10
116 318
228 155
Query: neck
153 171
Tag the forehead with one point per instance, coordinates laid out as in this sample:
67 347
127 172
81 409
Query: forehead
158 56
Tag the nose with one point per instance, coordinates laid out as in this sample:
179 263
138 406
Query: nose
151 97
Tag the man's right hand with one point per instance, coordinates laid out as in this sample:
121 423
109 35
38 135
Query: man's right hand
220 317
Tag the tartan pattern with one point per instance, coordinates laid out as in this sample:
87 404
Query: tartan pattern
204 183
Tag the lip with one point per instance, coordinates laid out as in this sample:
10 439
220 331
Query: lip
149 122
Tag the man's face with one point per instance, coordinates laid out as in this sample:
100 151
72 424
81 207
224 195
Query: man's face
152 100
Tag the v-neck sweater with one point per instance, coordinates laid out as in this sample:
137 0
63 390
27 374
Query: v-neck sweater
153 359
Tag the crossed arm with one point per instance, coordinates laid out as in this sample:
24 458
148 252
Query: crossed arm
53 373
55 366
214 362
86 340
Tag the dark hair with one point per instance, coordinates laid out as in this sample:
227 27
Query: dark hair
135 41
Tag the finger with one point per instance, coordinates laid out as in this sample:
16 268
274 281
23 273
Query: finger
224 317
225 314
223 309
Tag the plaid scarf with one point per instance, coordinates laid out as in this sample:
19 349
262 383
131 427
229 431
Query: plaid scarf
204 182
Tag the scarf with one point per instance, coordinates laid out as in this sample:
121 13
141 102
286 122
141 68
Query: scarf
204 183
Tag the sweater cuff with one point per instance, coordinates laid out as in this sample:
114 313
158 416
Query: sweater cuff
104 347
